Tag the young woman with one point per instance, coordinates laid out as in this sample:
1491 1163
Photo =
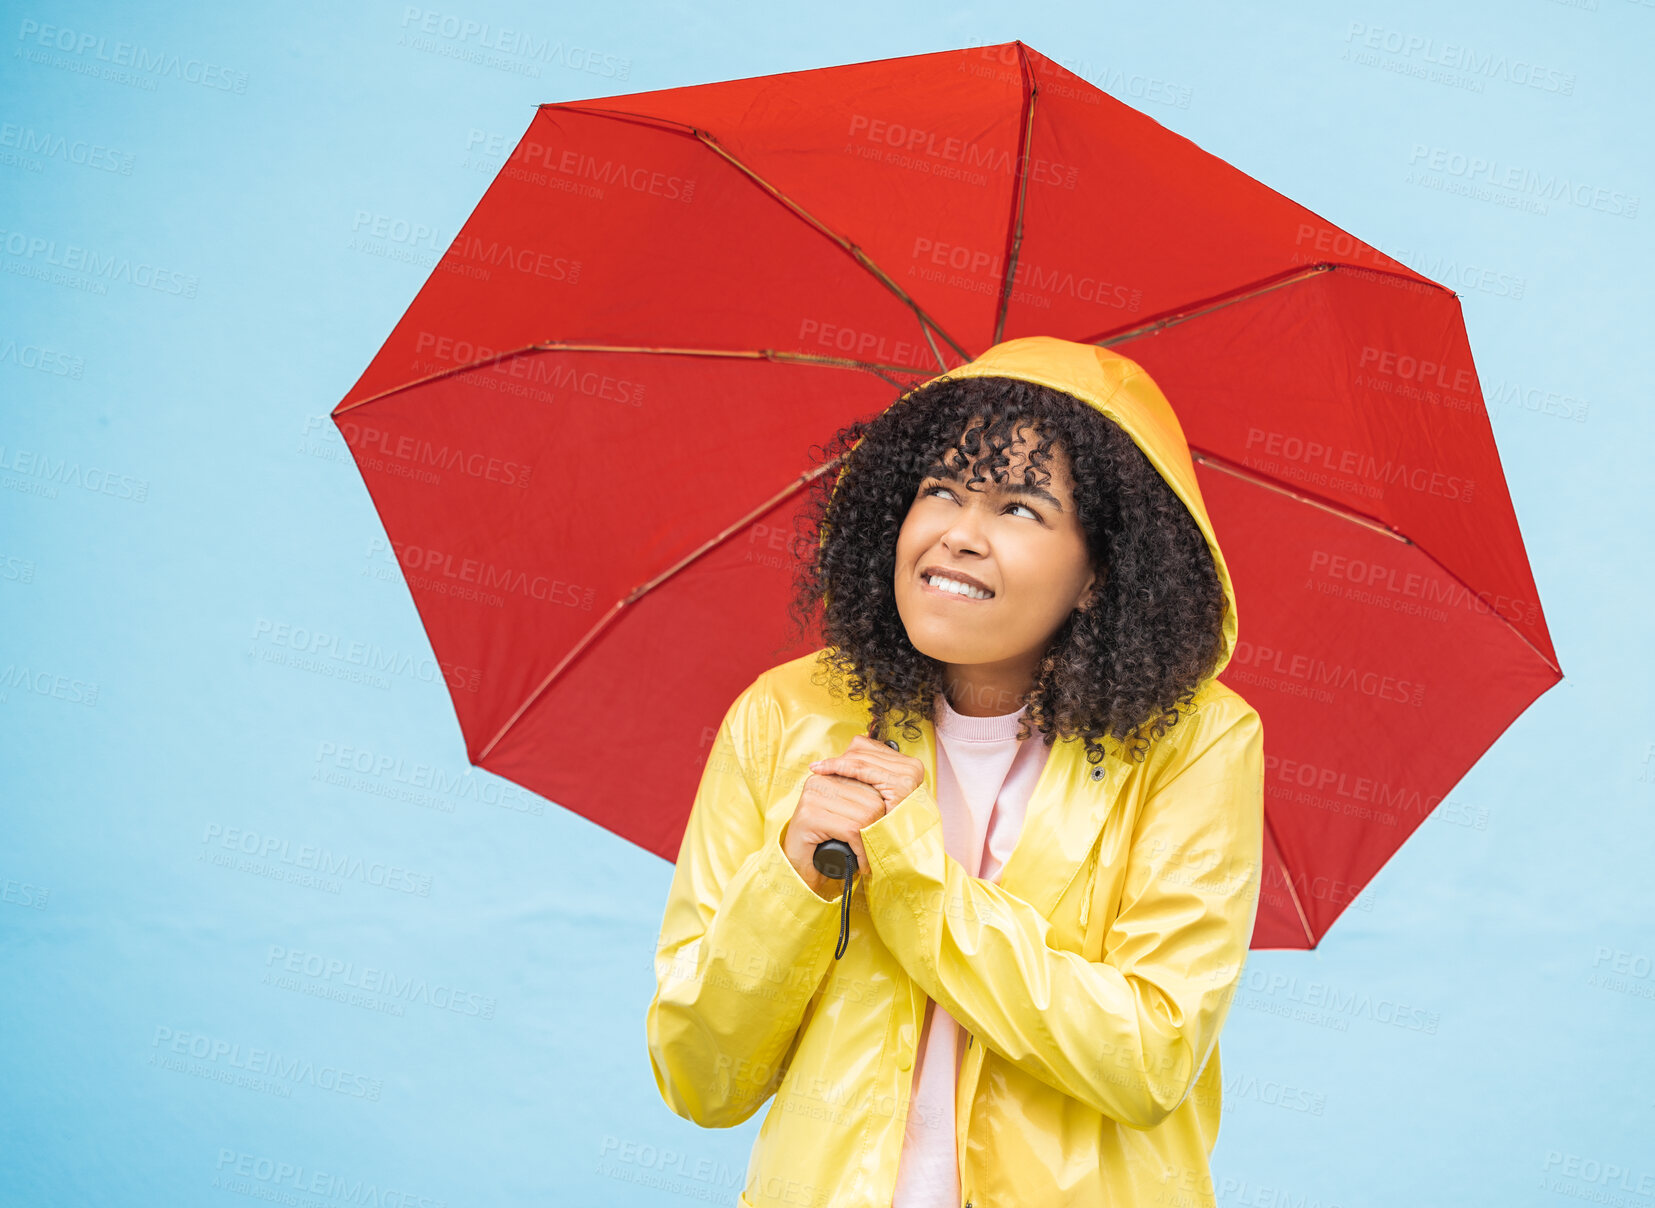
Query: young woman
1056 812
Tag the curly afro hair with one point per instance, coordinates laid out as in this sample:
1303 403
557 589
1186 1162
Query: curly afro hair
1124 667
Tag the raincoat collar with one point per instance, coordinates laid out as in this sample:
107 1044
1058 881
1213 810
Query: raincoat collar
1065 816
1053 843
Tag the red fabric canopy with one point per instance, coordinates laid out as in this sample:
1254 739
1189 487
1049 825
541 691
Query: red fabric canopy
588 436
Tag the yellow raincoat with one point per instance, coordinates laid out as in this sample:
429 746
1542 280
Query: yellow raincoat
1091 980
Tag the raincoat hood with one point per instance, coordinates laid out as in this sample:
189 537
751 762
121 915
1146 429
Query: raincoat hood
1119 389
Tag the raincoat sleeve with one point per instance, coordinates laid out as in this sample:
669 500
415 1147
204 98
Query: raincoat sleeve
1130 1034
744 940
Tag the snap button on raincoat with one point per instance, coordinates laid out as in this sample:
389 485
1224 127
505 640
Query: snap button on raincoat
1092 979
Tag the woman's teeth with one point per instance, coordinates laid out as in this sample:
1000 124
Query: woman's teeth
958 588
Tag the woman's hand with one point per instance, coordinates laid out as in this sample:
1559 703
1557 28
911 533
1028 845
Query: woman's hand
893 774
843 794
830 807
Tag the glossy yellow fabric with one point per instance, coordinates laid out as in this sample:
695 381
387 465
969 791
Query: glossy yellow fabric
1092 979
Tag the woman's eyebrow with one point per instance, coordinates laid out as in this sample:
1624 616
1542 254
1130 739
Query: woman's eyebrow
1007 488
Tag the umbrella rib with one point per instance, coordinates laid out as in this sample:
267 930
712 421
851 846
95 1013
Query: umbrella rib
1014 236
706 137
878 369
643 589
1341 510
1345 512
1287 876
1194 310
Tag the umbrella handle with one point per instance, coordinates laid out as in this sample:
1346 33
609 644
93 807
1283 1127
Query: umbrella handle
834 858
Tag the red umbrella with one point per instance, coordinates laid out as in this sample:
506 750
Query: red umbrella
589 435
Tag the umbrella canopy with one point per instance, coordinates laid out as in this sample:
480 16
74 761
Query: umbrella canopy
589 435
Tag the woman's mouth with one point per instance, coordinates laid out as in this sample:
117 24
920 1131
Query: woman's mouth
953 589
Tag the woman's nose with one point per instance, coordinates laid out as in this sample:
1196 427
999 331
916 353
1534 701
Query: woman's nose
966 530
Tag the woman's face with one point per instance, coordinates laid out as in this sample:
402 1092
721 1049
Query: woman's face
1025 545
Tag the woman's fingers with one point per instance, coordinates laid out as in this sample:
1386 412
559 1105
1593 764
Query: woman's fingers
891 774
845 807
861 803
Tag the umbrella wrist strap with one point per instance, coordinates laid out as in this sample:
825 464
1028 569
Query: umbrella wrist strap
844 917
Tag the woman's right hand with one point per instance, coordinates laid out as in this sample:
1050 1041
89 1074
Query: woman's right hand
830 807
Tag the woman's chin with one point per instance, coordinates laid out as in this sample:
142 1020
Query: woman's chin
944 642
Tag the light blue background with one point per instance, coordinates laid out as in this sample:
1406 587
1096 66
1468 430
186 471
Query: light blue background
1517 921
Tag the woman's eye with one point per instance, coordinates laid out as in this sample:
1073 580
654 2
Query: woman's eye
935 487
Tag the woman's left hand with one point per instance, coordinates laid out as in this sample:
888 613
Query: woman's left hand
891 772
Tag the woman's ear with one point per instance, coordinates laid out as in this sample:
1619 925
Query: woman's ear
1089 596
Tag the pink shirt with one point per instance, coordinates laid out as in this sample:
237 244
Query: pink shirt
984 780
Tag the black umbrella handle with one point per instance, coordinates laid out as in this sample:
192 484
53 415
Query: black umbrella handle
834 858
